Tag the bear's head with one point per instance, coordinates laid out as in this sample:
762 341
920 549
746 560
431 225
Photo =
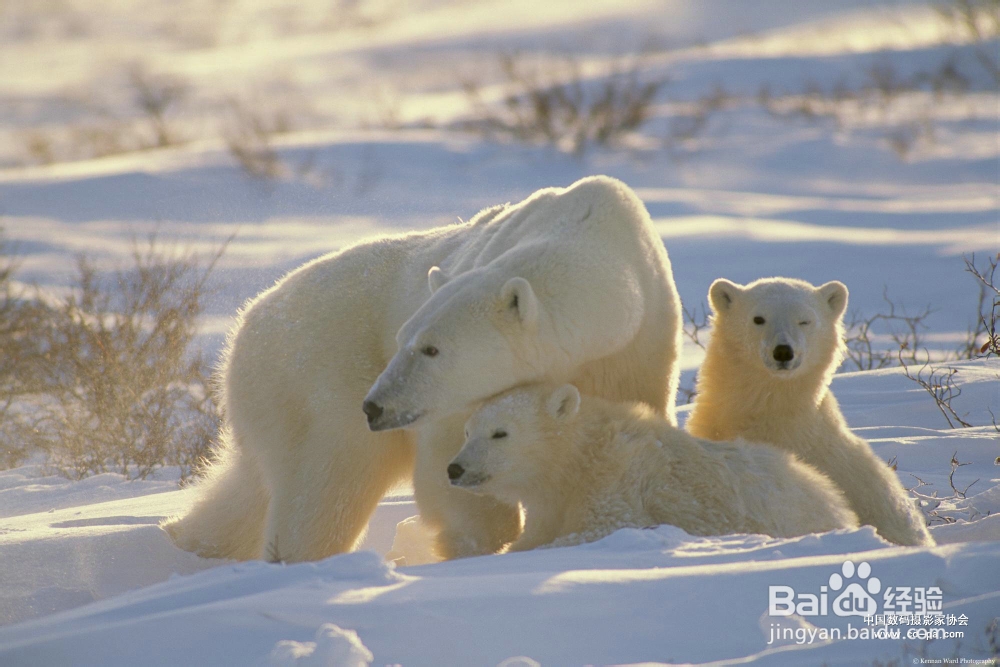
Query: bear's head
787 326
479 333
508 440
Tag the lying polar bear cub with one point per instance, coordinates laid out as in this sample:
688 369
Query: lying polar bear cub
584 467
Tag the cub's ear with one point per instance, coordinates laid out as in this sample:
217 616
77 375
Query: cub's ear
564 402
722 294
834 294
520 299
435 278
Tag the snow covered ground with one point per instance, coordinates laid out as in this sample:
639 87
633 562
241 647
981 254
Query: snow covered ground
87 577
636 596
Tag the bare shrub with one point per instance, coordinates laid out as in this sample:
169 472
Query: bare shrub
685 394
555 103
156 100
814 103
986 313
905 116
978 20
904 331
695 323
939 383
931 503
884 84
692 119
98 136
19 318
248 138
156 96
386 110
253 120
27 21
992 633
20 354
880 95
904 138
101 137
947 78
273 553
39 147
114 383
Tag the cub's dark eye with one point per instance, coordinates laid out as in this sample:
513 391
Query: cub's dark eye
499 434
758 320
430 351
804 323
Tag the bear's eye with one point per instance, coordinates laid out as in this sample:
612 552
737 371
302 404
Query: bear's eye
499 434
430 351
758 320
804 323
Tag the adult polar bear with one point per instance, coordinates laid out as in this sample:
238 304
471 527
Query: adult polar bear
570 285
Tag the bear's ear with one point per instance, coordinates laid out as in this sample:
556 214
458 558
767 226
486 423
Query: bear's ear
834 294
520 299
435 278
722 294
564 402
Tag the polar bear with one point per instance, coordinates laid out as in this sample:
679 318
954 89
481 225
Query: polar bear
583 467
766 377
408 331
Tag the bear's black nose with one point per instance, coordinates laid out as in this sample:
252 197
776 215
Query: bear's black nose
783 353
455 471
372 409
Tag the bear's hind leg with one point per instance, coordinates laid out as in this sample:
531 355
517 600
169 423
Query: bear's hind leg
227 517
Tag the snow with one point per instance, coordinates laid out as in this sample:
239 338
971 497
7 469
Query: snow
31 488
88 577
639 595
334 647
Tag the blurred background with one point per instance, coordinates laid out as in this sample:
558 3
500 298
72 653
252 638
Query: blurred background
88 79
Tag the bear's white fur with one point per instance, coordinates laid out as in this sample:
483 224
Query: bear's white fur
572 284
584 467
766 377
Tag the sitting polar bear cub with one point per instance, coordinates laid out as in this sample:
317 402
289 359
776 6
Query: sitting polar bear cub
584 467
766 376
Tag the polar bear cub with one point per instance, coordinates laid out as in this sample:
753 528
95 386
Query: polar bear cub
766 377
583 467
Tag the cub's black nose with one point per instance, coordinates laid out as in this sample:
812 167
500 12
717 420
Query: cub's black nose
455 471
782 353
372 409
